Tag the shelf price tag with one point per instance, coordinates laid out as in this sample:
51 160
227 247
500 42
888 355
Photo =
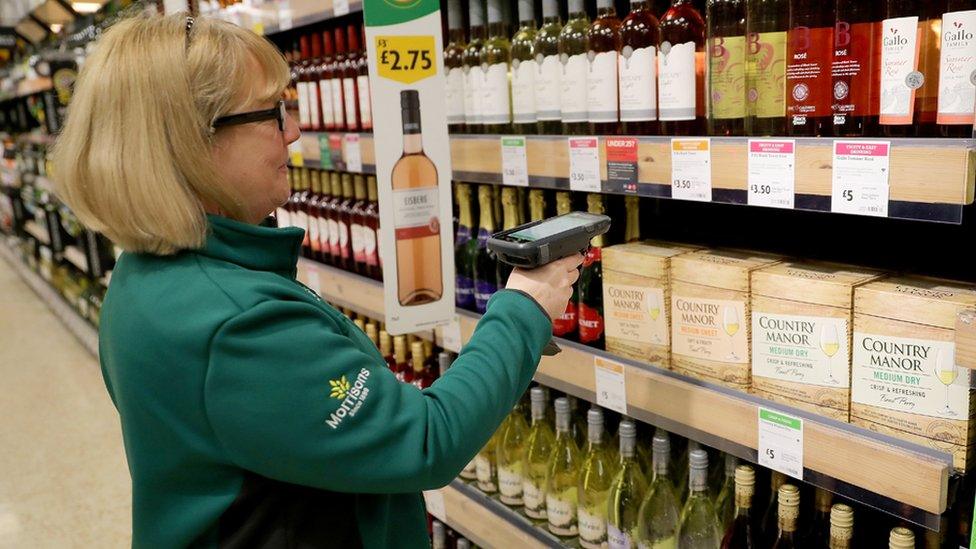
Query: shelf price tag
860 177
295 154
691 169
340 7
353 153
622 163
406 59
781 442
611 387
772 180
451 335
325 152
515 164
584 164
435 504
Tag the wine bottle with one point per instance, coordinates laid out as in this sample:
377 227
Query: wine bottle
901 538
463 543
906 67
486 466
484 268
770 522
817 531
808 64
537 205
400 365
596 474
454 67
726 48
510 454
766 28
699 526
357 229
854 71
680 70
789 512
626 491
591 284
957 94
572 55
304 118
415 192
524 71
496 56
510 219
312 210
283 212
548 83
841 526
325 77
418 375
371 226
312 85
657 525
567 323
632 230
372 332
386 349
562 476
338 69
639 40
465 249
538 447
743 532
725 500
603 52
345 223
350 75
299 217
362 85
472 68
438 538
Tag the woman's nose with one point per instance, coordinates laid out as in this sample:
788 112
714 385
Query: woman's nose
292 133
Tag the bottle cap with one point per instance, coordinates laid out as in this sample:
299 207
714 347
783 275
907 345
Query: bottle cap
823 499
438 529
561 405
745 475
661 443
417 353
627 429
594 416
410 111
698 459
550 8
841 516
789 496
476 14
526 10
901 538
494 11
444 361
575 6
371 332
454 15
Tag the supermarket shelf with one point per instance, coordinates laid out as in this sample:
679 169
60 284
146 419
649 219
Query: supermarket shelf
500 526
895 476
311 145
29 87
81 328
76 257
310 12
38 231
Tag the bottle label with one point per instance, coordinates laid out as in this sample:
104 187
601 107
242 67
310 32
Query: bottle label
358 246
284 218
909 375
616 538
523 90
533 500
852 70
957 69
638 88
415 212
808 350
510 484
601 87
547 102
365 108
590 323
349 92
313 232
334 236
808 88
567 323
325 237
561 515
676 81
710 329
636 314
325 92
337 103
573 96
592 529
300 220
726 65
312 88
303 117
766 74
485 470
472 95
495 104
899 69
464 292
455 96
369 246
344 239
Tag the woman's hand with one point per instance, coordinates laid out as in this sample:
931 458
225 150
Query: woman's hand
550 285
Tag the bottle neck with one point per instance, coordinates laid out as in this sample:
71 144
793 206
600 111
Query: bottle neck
639 5
464 212
628 448
455 36
562 424
608 11
477 32
659 462
496 29
743 499
698 481
487 214
413 143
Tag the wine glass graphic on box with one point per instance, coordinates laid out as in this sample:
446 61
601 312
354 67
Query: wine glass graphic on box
947 372
654 308
829 344
730 322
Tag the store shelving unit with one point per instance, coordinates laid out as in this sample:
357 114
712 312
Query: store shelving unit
848 460
38 231
310 12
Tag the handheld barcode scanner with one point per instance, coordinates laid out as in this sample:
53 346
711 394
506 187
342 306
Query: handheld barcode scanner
541 242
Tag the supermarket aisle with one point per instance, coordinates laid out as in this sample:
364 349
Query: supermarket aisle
63 477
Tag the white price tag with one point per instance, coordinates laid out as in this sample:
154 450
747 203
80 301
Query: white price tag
515 165
340 7
353 153
611 387
284 19
435 504
584 164
691 169
451 335
860 177
781 442
772 180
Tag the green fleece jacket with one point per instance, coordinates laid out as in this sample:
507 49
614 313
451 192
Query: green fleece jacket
256 415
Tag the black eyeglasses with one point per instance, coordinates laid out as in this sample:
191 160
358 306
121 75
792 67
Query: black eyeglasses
275 113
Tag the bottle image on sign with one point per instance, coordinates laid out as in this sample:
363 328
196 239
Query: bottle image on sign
957 91
726 81
856 69
416 210
603 47
640 37
573 56
809 57
766 27
681 70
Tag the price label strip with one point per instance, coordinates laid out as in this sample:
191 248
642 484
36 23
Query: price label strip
860 178
515 163
406 59
340 7
353 153
781 442
584 164
691 169
611 385
772 172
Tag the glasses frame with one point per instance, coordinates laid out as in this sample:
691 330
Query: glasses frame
274 113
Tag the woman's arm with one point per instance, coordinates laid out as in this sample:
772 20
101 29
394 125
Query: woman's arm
291 398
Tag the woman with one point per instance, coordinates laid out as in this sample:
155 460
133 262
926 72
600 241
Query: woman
217 360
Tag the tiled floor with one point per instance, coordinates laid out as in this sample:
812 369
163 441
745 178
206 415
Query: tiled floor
63 476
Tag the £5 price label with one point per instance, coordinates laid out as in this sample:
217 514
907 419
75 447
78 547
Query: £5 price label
406 59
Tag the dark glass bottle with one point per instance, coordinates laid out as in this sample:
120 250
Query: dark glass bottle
603 50
770 524
350 76
371 226
362 85
454 67
465 249
472 67
312 209
681 74
591 284
510 220
809 57
300 215
726 84
639 40
855 73
485 271
743 533
818 527
325 250
324 74
546 50
766 36
357 228
789 510
332 216
956 93
345 223
338 68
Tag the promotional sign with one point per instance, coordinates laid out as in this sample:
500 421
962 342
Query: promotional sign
413 162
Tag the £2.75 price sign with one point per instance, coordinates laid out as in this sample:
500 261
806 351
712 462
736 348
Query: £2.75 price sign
406 59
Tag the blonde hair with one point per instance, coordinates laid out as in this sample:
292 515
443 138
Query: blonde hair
134 158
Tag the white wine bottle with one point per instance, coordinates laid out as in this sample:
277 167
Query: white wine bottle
657 525
596 474
562 476
509 454
725 501
789 513
486 466
699 527
626 491
496 58
841 526
901 538
538 447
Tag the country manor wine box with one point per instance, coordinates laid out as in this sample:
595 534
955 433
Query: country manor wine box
904 378
802 320
637 298
710 314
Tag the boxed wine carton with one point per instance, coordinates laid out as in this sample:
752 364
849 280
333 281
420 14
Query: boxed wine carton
710 314
802 321
904 377
636 298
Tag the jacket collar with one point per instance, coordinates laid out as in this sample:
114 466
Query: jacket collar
257 247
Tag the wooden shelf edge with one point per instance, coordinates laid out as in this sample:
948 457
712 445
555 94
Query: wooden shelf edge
966 340
38 232
488 522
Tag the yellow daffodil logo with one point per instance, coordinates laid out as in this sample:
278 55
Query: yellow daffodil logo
340 388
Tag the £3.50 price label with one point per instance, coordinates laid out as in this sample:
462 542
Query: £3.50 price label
406 59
